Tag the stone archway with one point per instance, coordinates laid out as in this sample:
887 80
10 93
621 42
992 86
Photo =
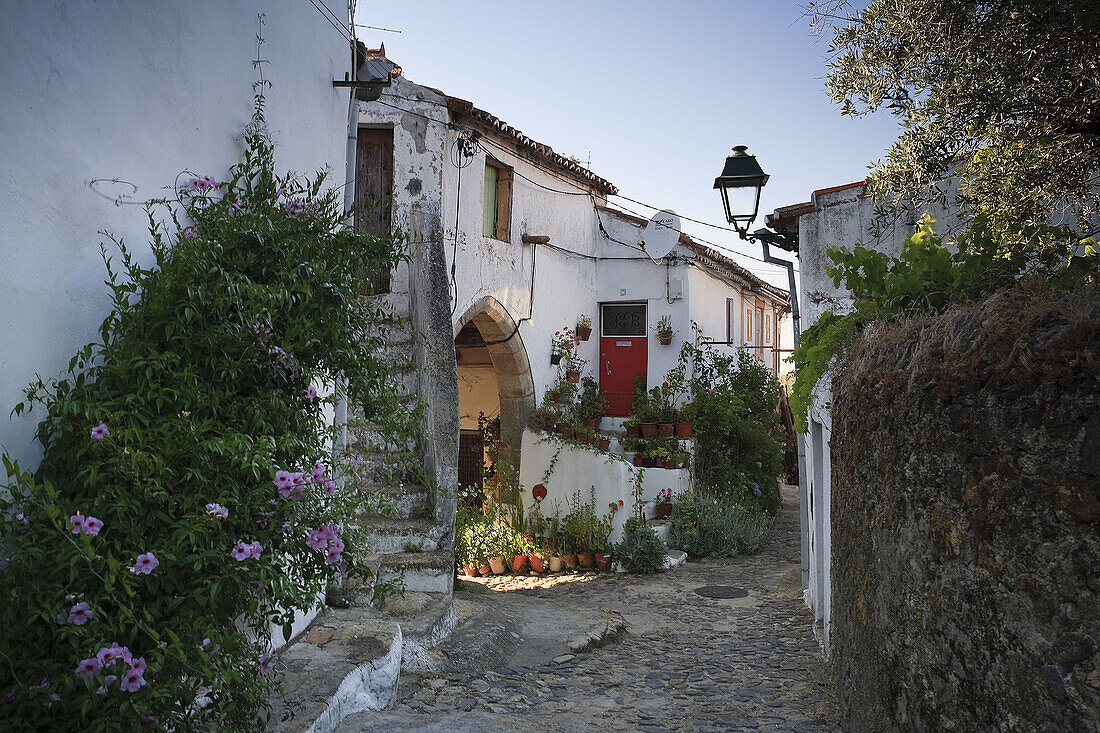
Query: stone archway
500 338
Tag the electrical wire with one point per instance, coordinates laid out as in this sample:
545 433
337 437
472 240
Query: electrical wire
332 20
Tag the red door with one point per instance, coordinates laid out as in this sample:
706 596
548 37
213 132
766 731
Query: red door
624 353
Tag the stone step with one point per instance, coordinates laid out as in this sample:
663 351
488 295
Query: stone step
432 572
346 661
387 534
407 500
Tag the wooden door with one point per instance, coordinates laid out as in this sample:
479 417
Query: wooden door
374 190
624 353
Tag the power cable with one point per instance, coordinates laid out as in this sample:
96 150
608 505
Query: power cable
332 20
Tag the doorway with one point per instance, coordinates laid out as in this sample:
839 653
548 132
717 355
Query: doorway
624 353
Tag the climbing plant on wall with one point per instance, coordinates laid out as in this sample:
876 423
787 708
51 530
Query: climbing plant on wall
189 496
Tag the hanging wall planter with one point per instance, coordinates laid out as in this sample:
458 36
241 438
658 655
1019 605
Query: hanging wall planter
555 359
573 375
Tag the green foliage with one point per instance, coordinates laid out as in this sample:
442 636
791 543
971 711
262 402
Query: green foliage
704 525
1001 96
641 551
201 378
926 278
738 434
592 403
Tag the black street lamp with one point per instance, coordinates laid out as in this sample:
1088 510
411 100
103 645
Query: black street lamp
740 184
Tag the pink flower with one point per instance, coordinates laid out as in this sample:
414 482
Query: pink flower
209 647
294 208
332 556
108 655
255 549
189 233
146 563
711 391
132 681
89 667
138 665
318 472
80 614
206 183
267 664
217 510
330 487
77 522
356 460
311 393
317 540
92 526
241 551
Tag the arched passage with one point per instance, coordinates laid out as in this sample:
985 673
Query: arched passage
493 371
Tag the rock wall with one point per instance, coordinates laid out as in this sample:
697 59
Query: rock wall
966 510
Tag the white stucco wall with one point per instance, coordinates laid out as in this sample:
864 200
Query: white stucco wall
138 91
610 480
841 217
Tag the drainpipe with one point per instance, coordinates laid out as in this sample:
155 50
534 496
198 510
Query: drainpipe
800 439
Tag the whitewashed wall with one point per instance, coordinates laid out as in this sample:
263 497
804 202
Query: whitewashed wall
841 217
138 91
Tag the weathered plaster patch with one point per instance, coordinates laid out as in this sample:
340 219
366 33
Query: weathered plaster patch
418 128
414 186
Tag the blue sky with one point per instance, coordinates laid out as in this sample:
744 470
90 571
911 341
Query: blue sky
656 92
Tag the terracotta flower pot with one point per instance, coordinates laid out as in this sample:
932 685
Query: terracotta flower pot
555 564
537 563
664 338
669 463
497 564
485 570
603 560
519 562
584 333
639 460
633 431
565 430
605 444
585 559
664 511
685 462
569 561
592 422
649 429
666 429
684 429
573 375
471 571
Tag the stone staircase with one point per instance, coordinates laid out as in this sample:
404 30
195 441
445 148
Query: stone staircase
350 657
410 546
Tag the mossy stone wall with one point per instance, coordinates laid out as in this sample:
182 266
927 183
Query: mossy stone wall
966 520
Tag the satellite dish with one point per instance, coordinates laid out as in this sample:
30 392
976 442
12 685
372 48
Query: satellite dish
661 234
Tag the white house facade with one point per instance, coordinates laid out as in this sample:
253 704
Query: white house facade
531 246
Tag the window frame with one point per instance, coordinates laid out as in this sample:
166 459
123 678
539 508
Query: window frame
502 226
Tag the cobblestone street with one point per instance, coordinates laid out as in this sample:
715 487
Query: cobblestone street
682 662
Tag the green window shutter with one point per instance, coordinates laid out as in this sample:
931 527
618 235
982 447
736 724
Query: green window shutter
489 213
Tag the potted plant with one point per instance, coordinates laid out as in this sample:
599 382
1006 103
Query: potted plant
538 559
496 563
639 459
604 444
555 563
584 327
664 330
685 419
664 503
592 404
562 345
631 427
601 534
662 456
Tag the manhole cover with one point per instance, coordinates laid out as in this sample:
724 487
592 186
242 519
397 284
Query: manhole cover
721 591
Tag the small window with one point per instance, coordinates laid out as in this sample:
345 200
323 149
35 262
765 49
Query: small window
497 215
624 320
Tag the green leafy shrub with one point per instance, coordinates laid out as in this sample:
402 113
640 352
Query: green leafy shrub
709 526
927 277
738 433
641 551
188 498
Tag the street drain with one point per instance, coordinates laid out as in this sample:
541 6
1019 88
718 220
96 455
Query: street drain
721 591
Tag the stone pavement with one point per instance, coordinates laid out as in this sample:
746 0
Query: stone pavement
517 661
